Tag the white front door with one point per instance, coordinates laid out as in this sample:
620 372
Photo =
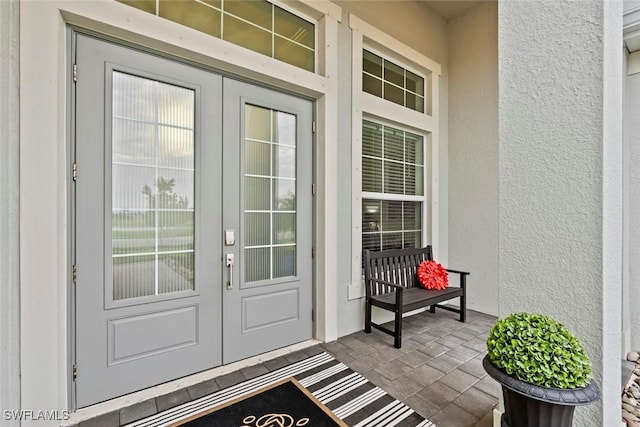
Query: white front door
164 166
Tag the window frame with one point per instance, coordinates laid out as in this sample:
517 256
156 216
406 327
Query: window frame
370 107
272 32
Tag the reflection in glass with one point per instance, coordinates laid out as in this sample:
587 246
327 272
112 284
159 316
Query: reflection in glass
388 224
134 276
292 27
284 195
152 187
292 53
256 11
269 199
133 142
284 261
385 79
372 85
284 161
191 14
256 158
257 264
394 94
284 228
257 124
258 25
246 35
256 229
257 194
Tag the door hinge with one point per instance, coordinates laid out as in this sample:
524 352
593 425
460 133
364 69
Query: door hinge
313 189
313 252
74 171
74 373
75 72
313 126
74 273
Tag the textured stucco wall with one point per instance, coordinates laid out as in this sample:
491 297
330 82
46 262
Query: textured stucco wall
553 175
425 32
473 153
9 208
632 138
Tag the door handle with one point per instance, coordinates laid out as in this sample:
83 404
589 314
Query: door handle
230 259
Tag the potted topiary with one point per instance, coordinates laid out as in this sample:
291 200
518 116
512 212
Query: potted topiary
543 369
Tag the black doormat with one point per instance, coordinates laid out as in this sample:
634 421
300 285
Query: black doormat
285 403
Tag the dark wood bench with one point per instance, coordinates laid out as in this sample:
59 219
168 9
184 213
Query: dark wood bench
391 284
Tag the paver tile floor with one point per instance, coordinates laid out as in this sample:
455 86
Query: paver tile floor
437 372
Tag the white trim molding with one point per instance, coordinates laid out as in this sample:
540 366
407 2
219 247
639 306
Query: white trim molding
10 207
365 105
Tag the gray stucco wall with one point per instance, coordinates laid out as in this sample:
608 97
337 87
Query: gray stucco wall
473 153
431 40
9 208
558 241
632 138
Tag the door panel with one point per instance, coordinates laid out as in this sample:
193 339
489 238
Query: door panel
160 178
267 194
148 306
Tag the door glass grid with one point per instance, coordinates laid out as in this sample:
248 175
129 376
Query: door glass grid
152 179
270 211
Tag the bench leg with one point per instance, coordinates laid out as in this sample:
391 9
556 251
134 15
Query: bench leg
367 317
432 309
463 308
397 342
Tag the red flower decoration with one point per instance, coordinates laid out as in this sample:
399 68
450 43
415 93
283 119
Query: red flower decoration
432 275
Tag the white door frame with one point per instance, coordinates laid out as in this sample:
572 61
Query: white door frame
46 299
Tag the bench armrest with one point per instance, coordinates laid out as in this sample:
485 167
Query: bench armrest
463 277
457 271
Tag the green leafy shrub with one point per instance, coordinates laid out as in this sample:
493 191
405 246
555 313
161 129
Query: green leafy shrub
538 350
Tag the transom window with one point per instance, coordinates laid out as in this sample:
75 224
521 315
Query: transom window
387 80
392 187
255 24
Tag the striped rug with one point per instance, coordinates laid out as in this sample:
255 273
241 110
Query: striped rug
346 393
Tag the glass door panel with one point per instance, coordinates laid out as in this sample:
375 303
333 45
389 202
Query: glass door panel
270 194
153 180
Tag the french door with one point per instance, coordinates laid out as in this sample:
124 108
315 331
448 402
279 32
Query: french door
192 210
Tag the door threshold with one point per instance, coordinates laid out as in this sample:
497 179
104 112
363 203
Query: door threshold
118 403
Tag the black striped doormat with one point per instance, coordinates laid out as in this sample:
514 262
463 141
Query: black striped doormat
353 399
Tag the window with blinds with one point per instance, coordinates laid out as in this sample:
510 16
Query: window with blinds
392 187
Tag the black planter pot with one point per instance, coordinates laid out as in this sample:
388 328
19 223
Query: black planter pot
528 405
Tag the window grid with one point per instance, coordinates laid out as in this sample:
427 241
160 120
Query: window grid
307 62
384 82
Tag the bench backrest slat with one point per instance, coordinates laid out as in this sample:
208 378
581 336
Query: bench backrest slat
398 266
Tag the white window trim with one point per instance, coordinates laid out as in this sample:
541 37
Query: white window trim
44 139
365 105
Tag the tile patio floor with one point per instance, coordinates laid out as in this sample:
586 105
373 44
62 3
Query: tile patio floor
437 372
